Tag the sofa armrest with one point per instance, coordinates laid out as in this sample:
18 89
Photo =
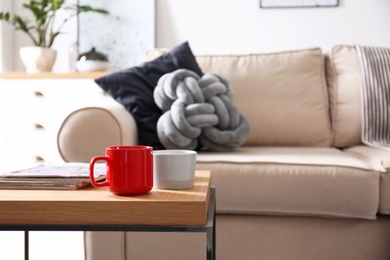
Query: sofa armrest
87 131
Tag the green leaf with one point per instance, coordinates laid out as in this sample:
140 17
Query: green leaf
4 16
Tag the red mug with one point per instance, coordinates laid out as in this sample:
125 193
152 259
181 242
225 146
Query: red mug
129 169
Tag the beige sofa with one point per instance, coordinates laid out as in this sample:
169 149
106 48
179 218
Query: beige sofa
302 186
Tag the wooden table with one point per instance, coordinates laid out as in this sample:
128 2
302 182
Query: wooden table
96 209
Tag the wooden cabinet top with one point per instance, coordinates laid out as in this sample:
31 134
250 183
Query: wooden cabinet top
49 75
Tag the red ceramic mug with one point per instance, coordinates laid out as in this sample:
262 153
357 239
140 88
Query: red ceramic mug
129 169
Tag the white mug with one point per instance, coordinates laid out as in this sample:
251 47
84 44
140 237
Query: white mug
174 169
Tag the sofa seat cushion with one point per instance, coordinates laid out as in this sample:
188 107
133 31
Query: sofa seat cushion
283 95
293 181
376 155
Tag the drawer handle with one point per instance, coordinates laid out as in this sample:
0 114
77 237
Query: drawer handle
39 127
38 94
37 159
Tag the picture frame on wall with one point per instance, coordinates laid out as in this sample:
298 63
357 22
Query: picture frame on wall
298 3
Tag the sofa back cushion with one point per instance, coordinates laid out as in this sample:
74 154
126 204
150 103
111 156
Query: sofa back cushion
344 80
283 95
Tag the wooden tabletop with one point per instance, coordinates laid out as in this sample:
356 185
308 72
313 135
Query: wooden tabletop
97 206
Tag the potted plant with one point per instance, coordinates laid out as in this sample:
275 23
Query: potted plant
42 30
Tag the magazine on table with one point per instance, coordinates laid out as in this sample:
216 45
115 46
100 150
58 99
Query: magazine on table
67 176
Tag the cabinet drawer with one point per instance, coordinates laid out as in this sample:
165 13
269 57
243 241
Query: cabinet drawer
27 133
60 93
31 125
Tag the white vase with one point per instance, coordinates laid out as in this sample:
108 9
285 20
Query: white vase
38 59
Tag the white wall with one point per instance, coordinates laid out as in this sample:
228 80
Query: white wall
227 26
242 26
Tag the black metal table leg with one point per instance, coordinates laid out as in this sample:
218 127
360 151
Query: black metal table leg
210 228
26 245
214 231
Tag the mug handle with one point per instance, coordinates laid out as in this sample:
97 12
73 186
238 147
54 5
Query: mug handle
92 169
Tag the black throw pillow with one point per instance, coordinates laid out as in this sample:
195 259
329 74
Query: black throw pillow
133 88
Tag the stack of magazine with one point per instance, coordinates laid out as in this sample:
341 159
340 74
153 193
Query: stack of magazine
64 176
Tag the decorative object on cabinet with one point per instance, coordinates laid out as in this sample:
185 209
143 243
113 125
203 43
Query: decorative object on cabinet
42 30
37 59
91 61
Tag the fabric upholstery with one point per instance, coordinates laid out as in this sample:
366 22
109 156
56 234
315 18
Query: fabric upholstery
83 135
282 95
344 80
133 88
261 189
376 155
105 245
287 181
253 237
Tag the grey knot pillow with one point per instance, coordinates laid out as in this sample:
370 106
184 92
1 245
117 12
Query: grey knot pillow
198 112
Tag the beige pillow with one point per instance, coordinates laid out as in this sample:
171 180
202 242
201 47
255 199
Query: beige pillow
155 53
344 80
283 95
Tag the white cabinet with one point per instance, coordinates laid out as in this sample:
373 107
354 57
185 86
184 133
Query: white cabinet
33 108
2 125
